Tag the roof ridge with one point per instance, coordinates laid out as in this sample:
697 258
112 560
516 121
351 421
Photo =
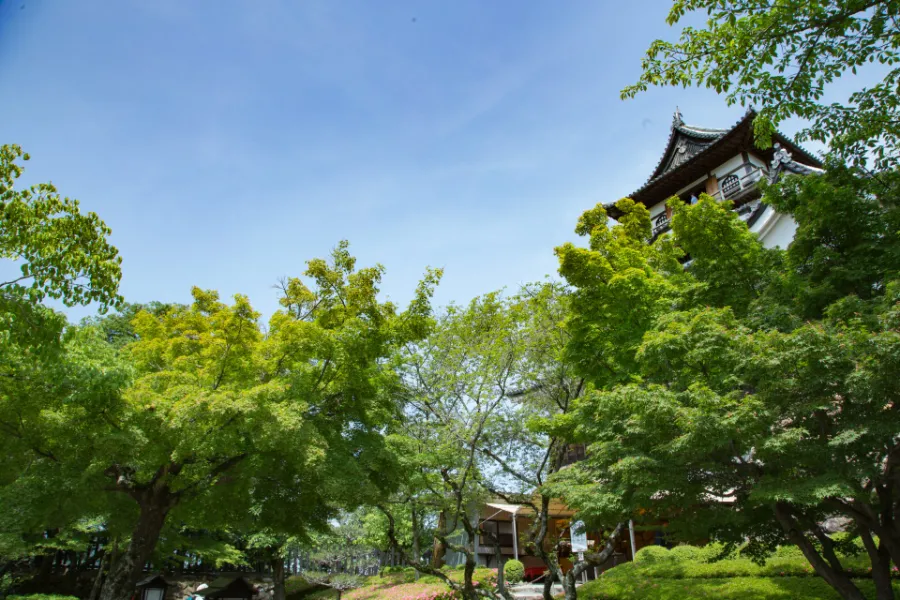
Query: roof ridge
677 127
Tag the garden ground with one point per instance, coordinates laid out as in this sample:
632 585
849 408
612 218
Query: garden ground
658 574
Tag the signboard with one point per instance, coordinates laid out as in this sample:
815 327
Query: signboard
579 537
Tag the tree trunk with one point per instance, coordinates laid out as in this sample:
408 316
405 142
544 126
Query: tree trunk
590 559
836 579
417 554
46 567
278 577
98 580
468 591
126 572
881 566
548 586
437 558
501 573
537 542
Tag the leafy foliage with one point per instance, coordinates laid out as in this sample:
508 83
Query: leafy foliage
781 56
688 423
730 588
514 571
63 253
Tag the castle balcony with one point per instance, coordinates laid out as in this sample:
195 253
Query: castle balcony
739 185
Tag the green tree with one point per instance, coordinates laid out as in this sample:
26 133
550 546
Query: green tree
756 402
54 379
456 380
220 410
63 254
213 419
781 56
481 389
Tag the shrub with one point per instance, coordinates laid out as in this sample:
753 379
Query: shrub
687 553
297 586
514 571
702 563
483 576
734 588
651 554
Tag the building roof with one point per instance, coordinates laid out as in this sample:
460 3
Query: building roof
692 152
784 162
152 580
228 587
685 142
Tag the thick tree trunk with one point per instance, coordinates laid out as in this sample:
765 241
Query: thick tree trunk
835 578
881 566
46 567
554 572
468 590
98 580
548 586
126 572
417 553
437 558
278 578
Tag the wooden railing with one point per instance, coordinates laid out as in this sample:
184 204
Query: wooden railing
735 185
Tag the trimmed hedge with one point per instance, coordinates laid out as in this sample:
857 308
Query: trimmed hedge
684 562
733 588
514 571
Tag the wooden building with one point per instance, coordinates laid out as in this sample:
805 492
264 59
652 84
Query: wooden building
509 523
228 588
726 164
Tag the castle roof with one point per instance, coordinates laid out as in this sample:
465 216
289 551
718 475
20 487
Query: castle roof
693 152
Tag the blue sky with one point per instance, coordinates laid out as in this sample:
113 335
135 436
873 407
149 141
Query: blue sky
227 142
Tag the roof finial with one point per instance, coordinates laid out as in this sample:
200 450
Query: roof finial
676 118
780 157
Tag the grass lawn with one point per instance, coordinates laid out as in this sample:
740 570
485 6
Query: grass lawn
394 586
729 588
684 573
404 591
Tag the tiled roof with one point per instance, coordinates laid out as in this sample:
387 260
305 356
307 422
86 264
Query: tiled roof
683 133
698 141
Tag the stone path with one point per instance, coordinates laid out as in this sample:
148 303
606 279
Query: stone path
528 591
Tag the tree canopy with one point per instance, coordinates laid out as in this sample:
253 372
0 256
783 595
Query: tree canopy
752 395
781 56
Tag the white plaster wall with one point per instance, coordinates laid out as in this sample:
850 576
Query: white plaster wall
691 186
774 230
757 161
729 165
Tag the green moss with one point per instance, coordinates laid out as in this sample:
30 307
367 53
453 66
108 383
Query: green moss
733 588
686 562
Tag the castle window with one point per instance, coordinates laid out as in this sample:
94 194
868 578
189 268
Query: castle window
730 185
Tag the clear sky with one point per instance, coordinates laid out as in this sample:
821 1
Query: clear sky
226 142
